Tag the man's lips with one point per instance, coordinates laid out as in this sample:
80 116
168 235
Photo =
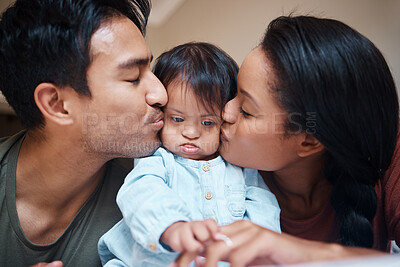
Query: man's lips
189 148
158 121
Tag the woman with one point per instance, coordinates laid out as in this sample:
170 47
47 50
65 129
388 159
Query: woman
317 113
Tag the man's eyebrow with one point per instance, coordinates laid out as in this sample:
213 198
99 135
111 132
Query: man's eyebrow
252 99
134 62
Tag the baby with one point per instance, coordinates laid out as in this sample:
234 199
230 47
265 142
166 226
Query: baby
173 200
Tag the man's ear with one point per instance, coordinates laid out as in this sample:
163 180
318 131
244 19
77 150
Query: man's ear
51 101
309 145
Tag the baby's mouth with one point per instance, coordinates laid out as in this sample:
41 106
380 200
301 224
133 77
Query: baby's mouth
189 148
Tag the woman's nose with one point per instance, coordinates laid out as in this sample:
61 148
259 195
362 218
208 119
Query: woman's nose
231 111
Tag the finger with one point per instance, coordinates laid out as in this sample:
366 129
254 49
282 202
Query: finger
201 233
249 253
237 226
188 241
212 225
184 259
199 261
216 252
219 250
204 230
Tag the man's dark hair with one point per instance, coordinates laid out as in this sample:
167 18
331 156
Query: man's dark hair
207 69
49 41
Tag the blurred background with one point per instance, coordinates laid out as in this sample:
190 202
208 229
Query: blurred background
237 26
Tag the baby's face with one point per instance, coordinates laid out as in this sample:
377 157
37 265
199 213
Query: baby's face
190 130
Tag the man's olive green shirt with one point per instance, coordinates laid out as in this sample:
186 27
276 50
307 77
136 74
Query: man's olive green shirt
77 246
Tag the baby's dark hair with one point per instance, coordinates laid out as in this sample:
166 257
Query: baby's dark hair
204 67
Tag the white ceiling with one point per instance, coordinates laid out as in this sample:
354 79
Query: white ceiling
162 10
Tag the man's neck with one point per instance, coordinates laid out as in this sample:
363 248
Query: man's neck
53 181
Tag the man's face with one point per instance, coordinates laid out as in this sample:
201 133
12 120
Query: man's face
123 116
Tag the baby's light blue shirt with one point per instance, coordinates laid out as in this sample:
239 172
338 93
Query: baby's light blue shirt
165 188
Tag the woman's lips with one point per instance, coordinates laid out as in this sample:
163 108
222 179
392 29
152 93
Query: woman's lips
223 136
189 148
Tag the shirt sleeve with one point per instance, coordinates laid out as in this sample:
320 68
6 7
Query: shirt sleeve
148 204
118 248
262 206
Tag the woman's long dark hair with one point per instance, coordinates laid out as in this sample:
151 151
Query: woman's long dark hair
336 84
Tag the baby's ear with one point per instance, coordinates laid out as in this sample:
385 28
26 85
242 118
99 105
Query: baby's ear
309 145
52 102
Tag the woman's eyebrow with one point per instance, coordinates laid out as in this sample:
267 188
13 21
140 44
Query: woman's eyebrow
252 99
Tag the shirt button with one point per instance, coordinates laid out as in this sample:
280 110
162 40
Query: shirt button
208 195
206 168
153 246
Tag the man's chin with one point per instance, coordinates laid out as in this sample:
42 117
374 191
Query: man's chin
138 149
145 149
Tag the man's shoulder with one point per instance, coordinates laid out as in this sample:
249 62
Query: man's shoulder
3 139
123 165
119 168
8 141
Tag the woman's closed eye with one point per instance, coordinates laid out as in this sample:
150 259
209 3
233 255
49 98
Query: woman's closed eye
244 113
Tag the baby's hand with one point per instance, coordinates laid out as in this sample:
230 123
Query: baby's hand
189 236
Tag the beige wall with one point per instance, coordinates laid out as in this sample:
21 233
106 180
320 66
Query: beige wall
238 25
5 3
4 108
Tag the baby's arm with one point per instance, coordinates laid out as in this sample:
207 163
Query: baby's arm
190 236
262 207
149 206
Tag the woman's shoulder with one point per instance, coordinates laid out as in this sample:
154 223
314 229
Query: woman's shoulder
392 174
388 194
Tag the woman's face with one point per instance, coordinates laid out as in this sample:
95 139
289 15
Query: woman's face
253 134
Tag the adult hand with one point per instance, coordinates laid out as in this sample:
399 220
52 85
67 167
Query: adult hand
51 264
190 236
251 244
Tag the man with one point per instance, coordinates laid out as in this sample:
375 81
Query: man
77 74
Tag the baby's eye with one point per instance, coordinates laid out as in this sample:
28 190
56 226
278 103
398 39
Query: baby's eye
207 123
177 119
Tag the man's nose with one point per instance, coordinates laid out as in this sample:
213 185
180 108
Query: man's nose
156 94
